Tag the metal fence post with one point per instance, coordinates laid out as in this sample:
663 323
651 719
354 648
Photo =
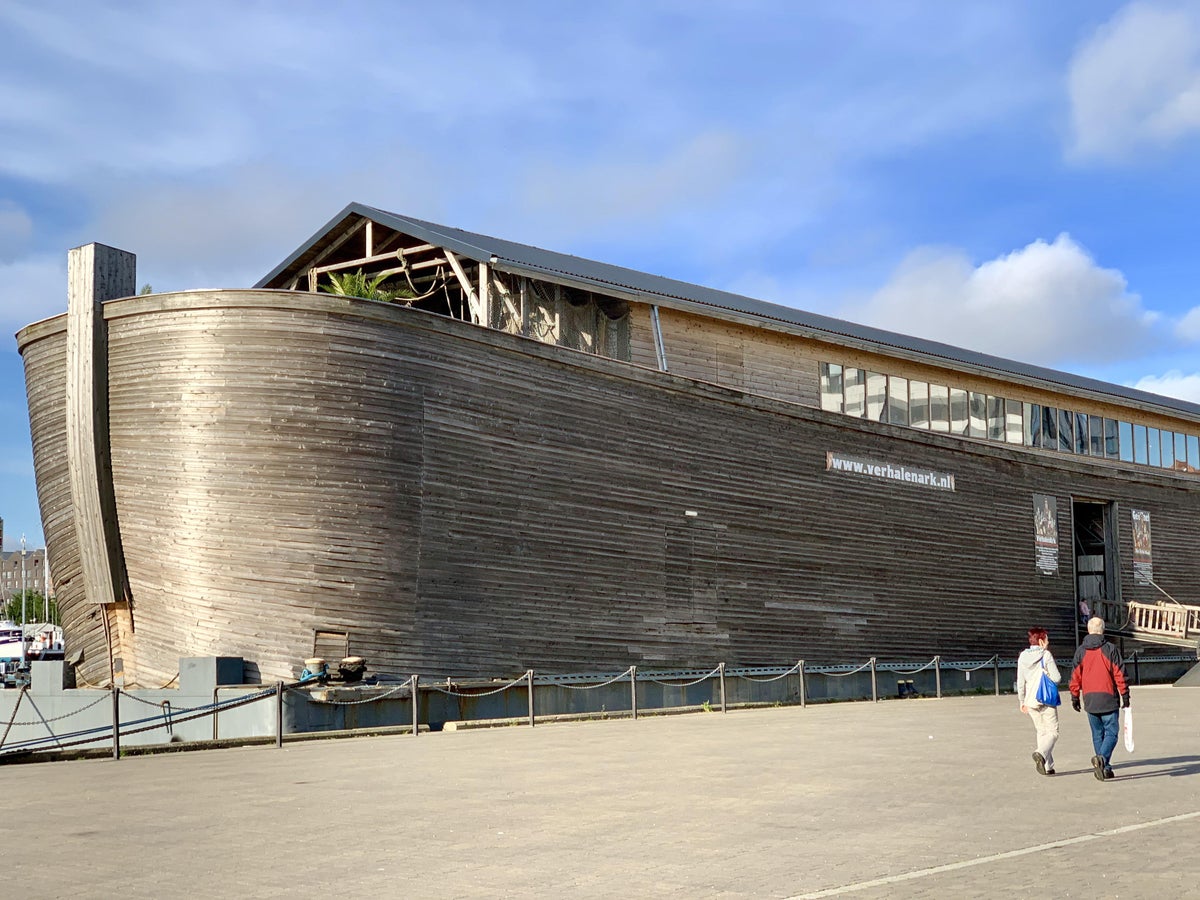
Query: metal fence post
416 705
633 689
721 669
874 683
279 715
116 725
996 672
803 687
529 678
937 675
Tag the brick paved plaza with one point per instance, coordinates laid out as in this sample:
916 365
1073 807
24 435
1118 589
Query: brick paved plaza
912 798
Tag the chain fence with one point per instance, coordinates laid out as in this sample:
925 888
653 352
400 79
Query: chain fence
166 716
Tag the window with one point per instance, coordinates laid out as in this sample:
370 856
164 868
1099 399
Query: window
1033 424
1112 446
831 387
918 404
977 415
1049 428
1193 453
939 407
1139 445
1154 457
876 397
1081 434
995 418
897 405
1014 429
1180 451
1096 435
856 392
958 411
1126 442
1066 437
1168 450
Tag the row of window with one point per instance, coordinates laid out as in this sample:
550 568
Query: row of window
936 407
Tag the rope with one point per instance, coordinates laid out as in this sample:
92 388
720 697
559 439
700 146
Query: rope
498 690
983 665
794 668
928 665
851 672
591 687
313 699
687 683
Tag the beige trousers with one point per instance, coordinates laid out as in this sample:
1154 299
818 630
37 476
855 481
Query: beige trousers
1045 720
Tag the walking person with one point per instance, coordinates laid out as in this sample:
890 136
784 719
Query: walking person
1033 661
1099 678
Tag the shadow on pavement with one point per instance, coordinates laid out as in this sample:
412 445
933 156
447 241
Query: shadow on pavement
1171 766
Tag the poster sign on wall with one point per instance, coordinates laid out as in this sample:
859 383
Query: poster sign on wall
1045 533
1143 568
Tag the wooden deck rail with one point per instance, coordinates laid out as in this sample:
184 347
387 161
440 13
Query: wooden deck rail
1172 620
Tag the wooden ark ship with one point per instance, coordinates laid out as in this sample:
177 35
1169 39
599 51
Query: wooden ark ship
534 460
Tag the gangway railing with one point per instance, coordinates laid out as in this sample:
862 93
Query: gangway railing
1166 623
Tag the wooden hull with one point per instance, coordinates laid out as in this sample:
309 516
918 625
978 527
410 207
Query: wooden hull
459 501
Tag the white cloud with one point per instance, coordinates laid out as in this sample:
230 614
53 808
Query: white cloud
1172 384
1188 327
1047 303
1135 85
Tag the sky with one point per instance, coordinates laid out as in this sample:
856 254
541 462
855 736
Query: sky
1019 178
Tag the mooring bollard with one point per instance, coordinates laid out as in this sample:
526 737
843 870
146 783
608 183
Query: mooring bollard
937 675
996 672
874 683
721 669
529 679
416 705
116 738
279 715
803 687
633 689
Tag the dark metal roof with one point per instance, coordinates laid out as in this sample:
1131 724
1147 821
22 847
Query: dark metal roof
598 275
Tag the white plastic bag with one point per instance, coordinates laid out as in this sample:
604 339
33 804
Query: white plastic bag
1127 727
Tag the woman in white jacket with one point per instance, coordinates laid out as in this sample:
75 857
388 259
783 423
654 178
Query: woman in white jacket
1030 665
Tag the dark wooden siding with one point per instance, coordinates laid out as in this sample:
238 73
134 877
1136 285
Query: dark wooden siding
461 501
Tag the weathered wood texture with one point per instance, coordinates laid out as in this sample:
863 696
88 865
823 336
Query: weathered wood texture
95 273
462 501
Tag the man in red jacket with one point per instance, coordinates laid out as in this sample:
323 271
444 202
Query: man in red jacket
1099 675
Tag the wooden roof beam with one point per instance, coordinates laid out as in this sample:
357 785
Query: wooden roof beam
476 305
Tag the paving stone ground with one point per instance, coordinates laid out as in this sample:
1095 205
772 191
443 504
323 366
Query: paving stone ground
911 798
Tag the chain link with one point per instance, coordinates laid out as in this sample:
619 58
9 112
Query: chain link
590 687
63 716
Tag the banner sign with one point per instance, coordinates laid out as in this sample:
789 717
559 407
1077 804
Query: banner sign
1045 533
1143 563
853 465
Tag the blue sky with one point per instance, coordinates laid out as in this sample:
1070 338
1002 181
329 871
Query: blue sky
1019 178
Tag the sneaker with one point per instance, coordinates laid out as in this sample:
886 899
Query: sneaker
1108 773
1040 762
1051 772
1098 767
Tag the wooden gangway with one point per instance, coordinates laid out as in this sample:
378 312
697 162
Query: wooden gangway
1165 622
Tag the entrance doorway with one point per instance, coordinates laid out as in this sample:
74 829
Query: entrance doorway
1095 544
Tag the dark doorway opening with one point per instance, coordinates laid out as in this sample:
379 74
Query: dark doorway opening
1096 586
